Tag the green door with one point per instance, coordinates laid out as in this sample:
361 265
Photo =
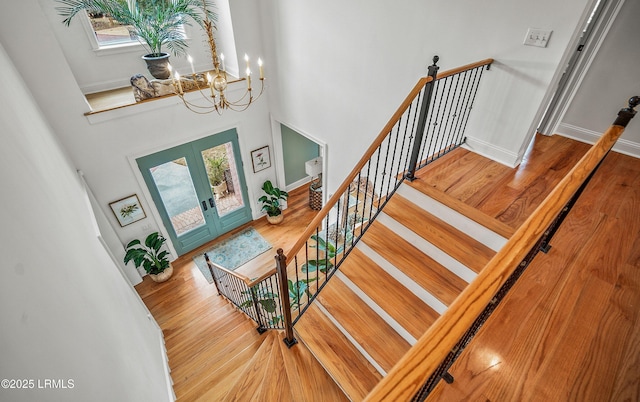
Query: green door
198 188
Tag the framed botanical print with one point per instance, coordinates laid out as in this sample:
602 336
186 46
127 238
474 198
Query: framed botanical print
128 210
260 159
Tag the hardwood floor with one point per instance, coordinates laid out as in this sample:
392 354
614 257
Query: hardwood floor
210 344
568 330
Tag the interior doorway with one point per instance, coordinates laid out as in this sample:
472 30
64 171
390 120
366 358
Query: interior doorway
296 151
198 189
594 30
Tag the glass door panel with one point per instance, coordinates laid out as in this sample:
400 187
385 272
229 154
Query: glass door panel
181 183
178 195
223 178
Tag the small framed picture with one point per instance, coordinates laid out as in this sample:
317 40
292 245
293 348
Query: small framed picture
260 159
128 210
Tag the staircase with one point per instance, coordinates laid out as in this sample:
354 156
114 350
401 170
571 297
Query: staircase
406 270
276 373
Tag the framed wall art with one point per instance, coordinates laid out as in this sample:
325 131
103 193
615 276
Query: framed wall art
260 159
128 210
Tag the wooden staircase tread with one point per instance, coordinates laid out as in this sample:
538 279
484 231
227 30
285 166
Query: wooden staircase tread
275 385
467 210
198 361
404 306
457 244
344 363
253 374
368 329
217 378
235 325
429 274
306 375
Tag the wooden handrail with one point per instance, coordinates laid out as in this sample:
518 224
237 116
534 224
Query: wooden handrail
464 68
317 220
248 281
409 374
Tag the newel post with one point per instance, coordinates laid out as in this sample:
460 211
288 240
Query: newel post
281 267
422 120
626 114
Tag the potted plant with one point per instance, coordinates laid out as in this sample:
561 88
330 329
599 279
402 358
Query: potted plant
155 23
150 256
271 202
216 165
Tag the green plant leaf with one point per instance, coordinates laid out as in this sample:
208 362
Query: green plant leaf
269 305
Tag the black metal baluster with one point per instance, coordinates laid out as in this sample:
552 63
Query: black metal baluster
447 128
475 92
261 327
462 105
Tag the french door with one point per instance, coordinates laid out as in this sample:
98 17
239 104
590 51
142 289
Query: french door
198 188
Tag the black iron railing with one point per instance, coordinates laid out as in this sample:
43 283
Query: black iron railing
257 299
428 124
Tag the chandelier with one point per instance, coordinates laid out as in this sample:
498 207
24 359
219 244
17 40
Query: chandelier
213 84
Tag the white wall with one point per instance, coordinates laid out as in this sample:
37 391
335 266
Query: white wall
67 312
99 70
344 67
104 148
611 80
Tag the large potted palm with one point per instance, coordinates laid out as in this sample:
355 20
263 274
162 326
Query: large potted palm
156 23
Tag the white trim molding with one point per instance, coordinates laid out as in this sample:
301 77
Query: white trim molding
498 154
591 137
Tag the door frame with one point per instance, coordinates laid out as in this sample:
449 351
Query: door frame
576 72
610 9
146 198
279 156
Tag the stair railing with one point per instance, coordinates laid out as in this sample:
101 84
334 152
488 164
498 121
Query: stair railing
428 124
428 361
257 298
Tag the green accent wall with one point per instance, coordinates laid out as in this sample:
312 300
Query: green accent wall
296 150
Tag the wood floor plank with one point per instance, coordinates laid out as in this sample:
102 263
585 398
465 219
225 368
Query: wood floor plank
476 183
355 376
429 274
404 306
458 245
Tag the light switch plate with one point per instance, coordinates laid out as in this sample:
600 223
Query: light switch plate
537 37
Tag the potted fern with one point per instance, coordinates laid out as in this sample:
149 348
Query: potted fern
156 23
271 202
150 256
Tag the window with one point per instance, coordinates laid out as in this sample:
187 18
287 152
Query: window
109 31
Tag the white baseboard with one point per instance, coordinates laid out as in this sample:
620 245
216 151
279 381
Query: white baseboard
591 137
298 183
492 152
